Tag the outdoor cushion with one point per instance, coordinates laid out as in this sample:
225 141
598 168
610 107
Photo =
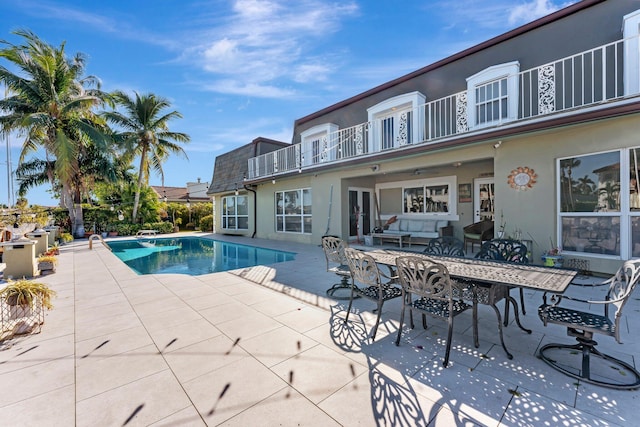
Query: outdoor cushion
429 226
394 226
415 226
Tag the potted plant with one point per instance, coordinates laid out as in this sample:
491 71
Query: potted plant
26 300
47 263
66 237
54 249
553 257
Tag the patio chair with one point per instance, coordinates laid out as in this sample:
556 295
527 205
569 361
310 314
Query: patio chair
478 232
333 248
365 271
491 293
429 281
582 325
507 250
445 246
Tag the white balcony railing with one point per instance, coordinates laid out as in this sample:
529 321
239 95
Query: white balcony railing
579 81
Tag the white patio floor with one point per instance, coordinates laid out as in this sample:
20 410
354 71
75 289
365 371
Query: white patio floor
263 346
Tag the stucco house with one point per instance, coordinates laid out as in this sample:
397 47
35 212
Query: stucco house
537 128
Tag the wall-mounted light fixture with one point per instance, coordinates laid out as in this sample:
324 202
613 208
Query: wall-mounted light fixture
497 145
236 192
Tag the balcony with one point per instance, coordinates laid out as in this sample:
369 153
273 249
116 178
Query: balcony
565 86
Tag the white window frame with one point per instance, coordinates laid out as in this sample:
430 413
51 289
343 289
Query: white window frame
395 107
510 71
284 215
319 133
452 204
631 31
624 213
235 215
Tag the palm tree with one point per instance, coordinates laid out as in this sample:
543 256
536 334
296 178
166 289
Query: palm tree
567 166
586 185
50 103
146 134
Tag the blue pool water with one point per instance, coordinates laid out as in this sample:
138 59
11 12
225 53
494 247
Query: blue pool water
192 255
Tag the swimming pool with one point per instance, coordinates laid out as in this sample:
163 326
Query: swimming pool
192 255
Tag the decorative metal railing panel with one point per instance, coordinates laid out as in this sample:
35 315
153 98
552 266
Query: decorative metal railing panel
586 79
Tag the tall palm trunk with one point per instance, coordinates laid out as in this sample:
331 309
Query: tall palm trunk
136 200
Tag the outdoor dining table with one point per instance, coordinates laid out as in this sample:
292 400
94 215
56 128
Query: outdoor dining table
491 273
547 279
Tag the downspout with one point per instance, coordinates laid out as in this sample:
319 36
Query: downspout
255 197
255 210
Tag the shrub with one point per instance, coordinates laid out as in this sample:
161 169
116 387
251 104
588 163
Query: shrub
162 227
66 237
206 223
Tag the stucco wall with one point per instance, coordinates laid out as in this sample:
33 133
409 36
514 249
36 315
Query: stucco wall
535 210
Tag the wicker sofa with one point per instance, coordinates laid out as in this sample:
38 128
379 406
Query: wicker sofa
420 229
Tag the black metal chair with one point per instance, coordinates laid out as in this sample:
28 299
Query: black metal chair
333 248
364 270
582 325
429 281
445 246
490 294
506 250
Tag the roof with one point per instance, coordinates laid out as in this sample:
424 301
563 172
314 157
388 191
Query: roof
562 13
176 194
230 168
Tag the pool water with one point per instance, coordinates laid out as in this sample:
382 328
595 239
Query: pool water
192 255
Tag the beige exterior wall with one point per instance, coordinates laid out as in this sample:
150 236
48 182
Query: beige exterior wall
533 211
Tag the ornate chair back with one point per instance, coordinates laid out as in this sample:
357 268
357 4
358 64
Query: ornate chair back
333 248
504 250
363 267
424 278
621 287
445 246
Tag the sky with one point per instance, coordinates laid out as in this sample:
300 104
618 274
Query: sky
241 69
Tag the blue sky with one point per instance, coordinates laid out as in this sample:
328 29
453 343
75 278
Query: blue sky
240 69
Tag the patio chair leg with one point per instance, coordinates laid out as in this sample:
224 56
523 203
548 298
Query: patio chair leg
524 312
448 350
375 327
400 326
474 310
349 309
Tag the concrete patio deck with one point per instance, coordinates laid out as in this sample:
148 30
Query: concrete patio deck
263 346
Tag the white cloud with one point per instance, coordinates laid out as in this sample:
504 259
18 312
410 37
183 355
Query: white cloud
267 42
255 89
471 15
532 10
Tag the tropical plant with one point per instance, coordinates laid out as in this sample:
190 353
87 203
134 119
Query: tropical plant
145 134
568 183
586 185
50 103
48 258
25 292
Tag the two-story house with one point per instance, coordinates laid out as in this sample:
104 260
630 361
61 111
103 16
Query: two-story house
540 125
